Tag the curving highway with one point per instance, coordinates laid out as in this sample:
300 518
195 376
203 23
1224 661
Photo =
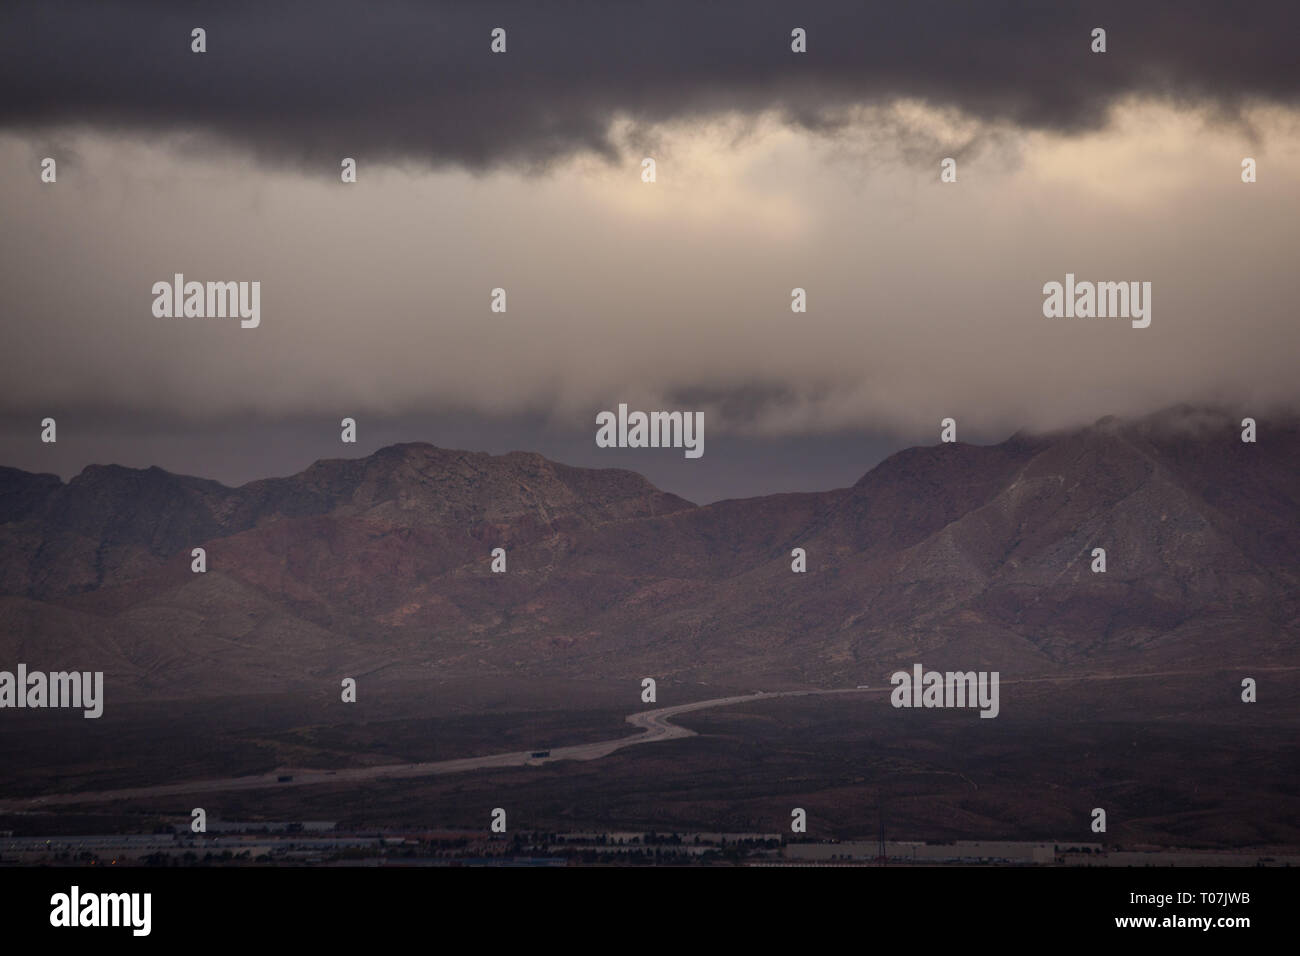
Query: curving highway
654 724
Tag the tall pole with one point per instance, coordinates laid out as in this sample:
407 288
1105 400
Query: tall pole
881 816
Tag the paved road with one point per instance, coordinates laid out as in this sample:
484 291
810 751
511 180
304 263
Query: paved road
654 724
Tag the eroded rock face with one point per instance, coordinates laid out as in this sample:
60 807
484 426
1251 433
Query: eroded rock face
110 525
981 554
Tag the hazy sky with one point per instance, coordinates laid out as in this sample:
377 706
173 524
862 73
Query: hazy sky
522 171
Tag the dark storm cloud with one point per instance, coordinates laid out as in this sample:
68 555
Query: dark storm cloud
405 81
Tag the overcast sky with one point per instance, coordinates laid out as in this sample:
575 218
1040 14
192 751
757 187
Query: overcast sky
522 170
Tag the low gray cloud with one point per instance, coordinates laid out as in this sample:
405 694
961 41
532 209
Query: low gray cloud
776 171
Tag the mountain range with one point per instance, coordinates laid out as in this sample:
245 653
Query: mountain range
955 555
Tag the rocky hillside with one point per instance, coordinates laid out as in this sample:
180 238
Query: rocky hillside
954 555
